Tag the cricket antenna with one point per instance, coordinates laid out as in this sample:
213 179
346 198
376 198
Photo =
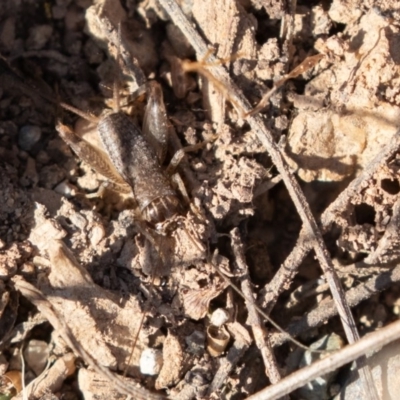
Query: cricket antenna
116 87
87 116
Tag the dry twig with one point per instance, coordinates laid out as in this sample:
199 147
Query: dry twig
288 269
327 310
271 366
285 274
371 342
51 379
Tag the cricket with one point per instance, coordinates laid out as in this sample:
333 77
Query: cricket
133 157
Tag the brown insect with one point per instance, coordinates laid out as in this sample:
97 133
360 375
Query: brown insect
131 157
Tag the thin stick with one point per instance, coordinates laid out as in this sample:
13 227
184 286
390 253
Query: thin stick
371 342
24 393
288 269
261 312
327 310
271 366
296 194
287 29
307 64
284 276
134 341
59 324
130 62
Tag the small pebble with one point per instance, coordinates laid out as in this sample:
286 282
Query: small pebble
196 342
74 19
28 136
8 269
27 269
78 220
8 128
83 3
96 235
36 355
219 317
5 103
65 189
38 36
23 155
93 53
151 362
318 389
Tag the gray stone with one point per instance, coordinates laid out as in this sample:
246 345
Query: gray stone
28 136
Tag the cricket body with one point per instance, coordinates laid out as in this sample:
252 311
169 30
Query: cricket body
135 156
137 162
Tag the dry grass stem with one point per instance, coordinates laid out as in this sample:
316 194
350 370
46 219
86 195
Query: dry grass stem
372 342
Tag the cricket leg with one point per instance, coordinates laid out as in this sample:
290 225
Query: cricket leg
155 123
180 154
92 156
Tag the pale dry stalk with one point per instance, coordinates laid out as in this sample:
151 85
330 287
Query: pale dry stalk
367 344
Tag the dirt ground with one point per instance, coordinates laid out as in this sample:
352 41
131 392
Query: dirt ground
98 302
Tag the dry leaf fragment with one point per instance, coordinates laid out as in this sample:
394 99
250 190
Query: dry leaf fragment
173 360
93 314
50 380
11 380
196 301
217 340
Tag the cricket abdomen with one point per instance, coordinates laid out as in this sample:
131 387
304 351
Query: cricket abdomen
161 209
137 163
